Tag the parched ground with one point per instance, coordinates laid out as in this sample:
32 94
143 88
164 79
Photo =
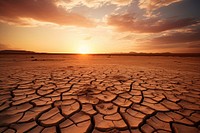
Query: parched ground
95 94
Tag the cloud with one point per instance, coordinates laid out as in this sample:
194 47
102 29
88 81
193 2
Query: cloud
129 23
16 11
87 38
185 40
151 5
128 37
194 46
178 37
94 3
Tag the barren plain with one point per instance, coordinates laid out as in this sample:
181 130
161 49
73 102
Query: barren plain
96 94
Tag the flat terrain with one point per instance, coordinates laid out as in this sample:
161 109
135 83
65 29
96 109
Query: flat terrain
95 94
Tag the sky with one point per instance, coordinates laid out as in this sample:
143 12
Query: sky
100 26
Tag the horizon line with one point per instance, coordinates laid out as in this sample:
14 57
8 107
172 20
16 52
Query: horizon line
26 52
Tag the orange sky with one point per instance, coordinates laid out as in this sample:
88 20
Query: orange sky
100 26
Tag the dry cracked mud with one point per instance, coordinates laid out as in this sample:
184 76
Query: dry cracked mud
98 98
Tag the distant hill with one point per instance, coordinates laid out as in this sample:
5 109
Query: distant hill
155 54
16 52
109 54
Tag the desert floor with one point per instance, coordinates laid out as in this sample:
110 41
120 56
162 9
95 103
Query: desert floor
95 94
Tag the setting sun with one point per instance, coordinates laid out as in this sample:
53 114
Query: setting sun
84 49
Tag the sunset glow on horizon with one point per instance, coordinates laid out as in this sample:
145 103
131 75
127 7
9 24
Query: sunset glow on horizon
84 49
100 26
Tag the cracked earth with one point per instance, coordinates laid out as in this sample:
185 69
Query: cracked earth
96 98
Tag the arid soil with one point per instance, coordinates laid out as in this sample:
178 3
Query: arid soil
95 94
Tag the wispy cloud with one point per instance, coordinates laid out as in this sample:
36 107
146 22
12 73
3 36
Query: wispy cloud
87 38
93 3
178 37
127 37
17 11
151 5
128 22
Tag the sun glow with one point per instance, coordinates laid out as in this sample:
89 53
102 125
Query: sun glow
84 49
